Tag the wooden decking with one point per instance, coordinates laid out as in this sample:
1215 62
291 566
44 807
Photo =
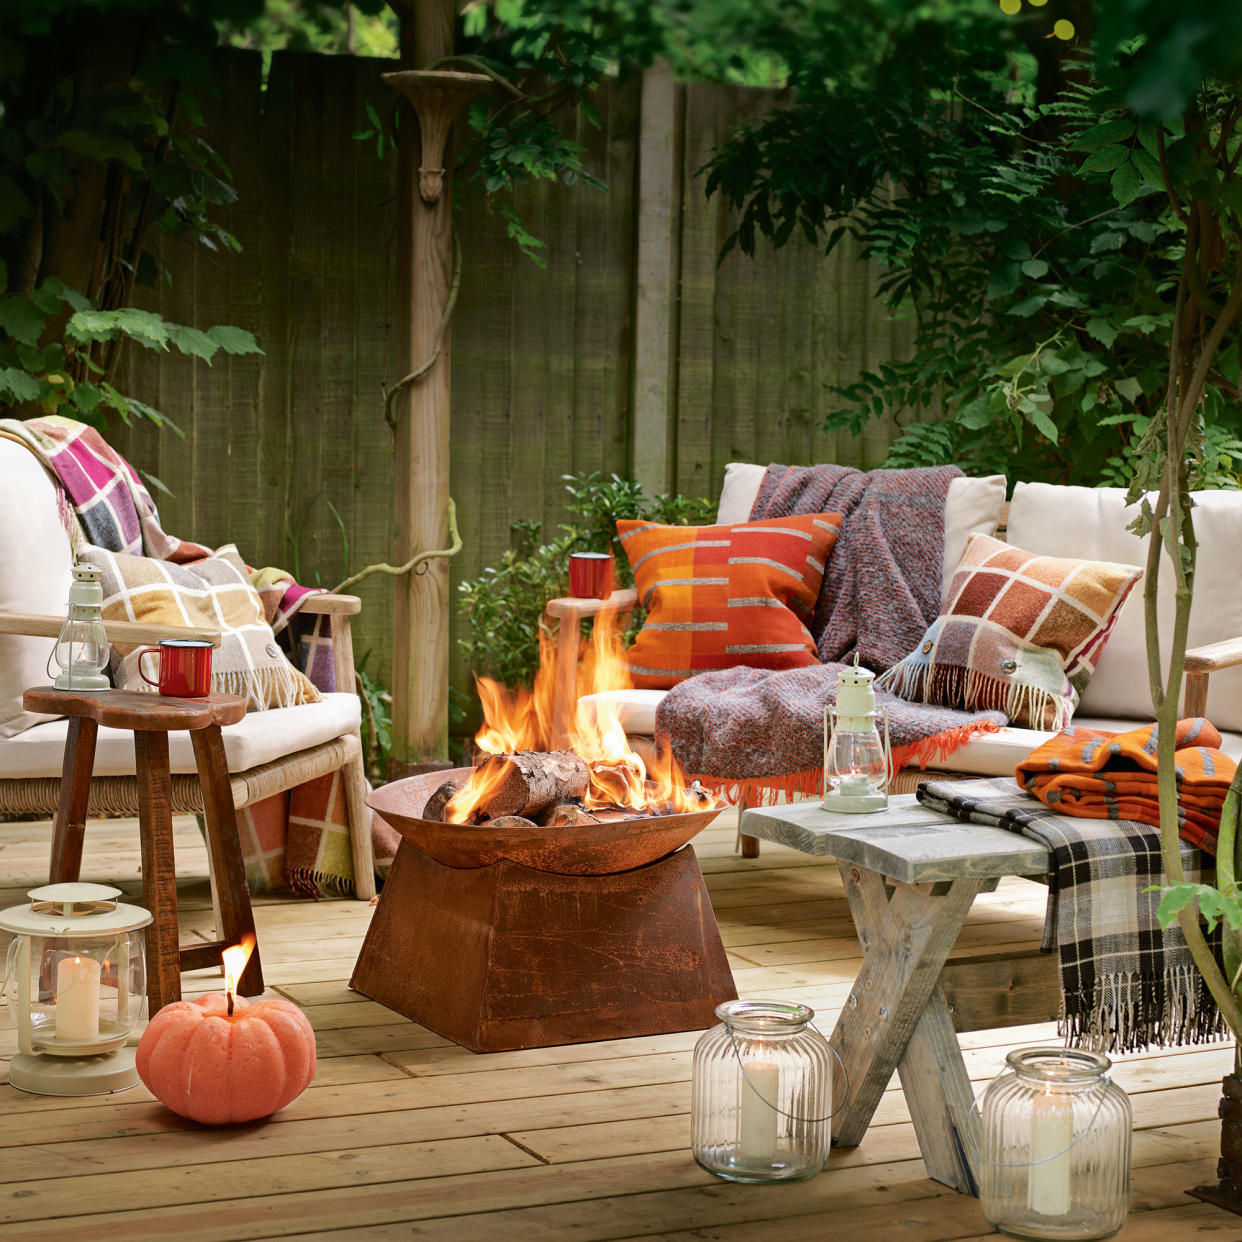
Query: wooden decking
403 1135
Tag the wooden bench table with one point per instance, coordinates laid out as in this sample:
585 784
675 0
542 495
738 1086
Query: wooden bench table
910 877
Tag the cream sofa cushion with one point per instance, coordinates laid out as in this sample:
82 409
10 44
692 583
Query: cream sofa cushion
972 506
35 571
259 738
1091 522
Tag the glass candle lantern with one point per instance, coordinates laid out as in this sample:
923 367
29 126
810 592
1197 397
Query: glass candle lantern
76 985
762 1093
82 652
1056 1147
857 761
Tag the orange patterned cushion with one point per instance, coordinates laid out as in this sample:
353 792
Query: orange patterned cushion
1021 634
720 596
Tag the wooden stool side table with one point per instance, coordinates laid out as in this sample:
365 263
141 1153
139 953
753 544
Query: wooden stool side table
151 718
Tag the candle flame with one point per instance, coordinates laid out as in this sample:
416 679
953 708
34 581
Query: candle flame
235 960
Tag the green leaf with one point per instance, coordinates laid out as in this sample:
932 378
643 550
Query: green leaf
1110 240
86 397
1035 268
1129 388
1127 184
102 147
1104 134
19 385
144 327
1149 169
1043 424
1105 160
22 320
234 340
1104 330
193 342
1003 280
974 414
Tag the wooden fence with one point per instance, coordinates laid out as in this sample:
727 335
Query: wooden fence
289 455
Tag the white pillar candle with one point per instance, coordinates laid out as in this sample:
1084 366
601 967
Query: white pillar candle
1052 1132
757 1123
77 999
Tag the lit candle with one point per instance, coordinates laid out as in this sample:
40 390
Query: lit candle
77 999
1052 1132
757 1122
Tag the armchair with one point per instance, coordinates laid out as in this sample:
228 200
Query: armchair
267 752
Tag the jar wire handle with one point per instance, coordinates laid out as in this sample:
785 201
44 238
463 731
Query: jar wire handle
976 1114
737 1052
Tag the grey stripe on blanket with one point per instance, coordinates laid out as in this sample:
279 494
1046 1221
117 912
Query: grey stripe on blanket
1126 984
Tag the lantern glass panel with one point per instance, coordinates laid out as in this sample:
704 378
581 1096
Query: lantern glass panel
85 992
762 1093
1056 1147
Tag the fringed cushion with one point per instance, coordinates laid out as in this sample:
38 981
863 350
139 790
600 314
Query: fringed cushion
1020 634
213 593
722 596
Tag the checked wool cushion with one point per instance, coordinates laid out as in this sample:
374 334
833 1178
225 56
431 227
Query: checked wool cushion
1020 634
721 596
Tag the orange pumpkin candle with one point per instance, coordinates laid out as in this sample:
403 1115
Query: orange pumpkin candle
222 1059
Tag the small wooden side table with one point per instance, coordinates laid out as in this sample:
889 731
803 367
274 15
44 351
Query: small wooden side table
151 717
910 876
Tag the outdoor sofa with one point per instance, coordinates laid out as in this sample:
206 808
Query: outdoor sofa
1047 519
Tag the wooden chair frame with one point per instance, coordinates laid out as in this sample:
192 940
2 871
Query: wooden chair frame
118 795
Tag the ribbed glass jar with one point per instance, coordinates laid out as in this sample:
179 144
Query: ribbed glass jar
1056 1147
762 1093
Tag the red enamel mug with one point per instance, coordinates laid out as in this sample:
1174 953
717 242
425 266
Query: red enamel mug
590 575
185 667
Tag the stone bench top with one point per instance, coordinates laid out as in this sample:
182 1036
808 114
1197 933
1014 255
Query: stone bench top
905 842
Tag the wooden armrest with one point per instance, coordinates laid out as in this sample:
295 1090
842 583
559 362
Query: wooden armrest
117 631
1213 656
333 605
572 608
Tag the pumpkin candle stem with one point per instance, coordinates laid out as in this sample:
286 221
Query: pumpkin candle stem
230 999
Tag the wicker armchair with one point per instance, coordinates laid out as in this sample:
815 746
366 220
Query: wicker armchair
337 744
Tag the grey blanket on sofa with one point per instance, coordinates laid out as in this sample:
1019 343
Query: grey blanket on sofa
753 732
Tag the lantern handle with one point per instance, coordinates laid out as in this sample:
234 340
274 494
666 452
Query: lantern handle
741 1064
976 1114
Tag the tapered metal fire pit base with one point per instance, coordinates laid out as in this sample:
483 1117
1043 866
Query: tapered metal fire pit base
505 956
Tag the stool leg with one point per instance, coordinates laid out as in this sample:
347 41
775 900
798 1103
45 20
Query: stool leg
224 844
159 876
750 845
75 788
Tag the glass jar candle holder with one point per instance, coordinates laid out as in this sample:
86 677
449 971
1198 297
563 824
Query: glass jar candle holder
1056 1147
76 987
762 1093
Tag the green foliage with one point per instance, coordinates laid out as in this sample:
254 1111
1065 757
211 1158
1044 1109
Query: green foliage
100 157
376 723
505 605
367 28
1022 231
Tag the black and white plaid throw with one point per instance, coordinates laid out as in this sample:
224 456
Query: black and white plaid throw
1126 984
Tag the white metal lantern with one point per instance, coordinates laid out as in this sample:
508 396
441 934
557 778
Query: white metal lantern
857 761
76 985
81 652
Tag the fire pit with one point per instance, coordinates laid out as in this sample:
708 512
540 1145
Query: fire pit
604 848
519 937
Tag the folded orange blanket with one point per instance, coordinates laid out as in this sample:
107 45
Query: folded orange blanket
1102 775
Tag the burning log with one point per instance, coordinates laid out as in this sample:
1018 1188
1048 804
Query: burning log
440 799
529 782
511 821
566 815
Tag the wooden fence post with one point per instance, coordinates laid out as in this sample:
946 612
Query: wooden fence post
653 430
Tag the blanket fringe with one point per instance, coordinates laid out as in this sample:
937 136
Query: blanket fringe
769 790
1117 1015
951 685
307 882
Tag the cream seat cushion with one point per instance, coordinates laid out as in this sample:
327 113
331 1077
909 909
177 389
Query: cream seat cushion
35 571
259 738
1090 522
972 506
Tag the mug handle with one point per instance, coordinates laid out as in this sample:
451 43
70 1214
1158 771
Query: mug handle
146 651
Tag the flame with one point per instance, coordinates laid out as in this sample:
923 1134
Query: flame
235 960
523 720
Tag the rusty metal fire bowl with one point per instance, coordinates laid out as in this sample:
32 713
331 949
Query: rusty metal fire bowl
607 848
